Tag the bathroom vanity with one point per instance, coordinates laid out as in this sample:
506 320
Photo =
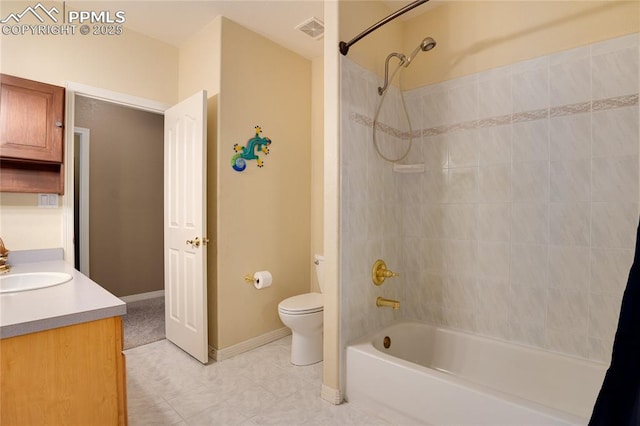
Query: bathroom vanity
61 359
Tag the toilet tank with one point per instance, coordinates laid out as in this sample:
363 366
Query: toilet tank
318 261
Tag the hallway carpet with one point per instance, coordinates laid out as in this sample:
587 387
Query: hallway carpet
144 322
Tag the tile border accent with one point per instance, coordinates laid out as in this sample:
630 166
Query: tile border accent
501 120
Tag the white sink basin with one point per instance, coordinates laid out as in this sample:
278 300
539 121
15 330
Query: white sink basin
31 281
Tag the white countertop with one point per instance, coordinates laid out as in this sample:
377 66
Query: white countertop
74 302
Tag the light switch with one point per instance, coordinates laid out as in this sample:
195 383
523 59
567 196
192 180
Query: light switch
48 201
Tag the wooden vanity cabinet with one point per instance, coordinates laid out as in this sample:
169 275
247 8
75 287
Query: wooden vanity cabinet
72 375
31 135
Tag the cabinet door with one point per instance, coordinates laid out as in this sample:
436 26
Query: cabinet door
72 375
31 120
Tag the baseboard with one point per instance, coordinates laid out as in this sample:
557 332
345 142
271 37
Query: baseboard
330 394
247 345
142 296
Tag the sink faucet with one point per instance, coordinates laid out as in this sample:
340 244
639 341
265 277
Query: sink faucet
381 301
4 255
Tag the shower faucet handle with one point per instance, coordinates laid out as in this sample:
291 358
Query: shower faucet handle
380 272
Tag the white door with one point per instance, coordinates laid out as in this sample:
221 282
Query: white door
185 255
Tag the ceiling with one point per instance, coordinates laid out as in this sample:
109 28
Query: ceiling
175 21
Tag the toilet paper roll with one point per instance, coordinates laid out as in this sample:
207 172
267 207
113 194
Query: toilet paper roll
262 279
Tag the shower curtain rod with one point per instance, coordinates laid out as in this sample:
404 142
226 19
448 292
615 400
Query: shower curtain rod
344 47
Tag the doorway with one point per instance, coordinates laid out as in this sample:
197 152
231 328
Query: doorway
117 172
123 240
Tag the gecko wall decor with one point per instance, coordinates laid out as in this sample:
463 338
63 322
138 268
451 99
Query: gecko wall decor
249 152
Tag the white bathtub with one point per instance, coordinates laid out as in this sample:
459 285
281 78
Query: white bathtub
437 376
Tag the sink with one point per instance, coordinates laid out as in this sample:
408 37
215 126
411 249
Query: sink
31 281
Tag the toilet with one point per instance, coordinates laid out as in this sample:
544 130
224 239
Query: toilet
303 315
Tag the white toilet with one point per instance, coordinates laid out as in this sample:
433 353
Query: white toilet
303 315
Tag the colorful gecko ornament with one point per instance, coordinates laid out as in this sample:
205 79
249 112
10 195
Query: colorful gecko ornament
238 161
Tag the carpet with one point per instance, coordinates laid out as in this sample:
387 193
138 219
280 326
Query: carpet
144 322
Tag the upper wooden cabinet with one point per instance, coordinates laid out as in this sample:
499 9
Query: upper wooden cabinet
31 120
31 136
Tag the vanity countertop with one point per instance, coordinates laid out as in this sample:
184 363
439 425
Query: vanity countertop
74 302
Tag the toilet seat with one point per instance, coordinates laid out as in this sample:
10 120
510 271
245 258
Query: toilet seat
302 304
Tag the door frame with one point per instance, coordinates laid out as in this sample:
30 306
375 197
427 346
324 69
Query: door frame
84 138
73 89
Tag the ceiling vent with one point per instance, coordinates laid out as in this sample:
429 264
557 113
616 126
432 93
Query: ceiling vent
313 27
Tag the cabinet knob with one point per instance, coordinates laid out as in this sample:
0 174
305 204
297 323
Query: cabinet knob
58 123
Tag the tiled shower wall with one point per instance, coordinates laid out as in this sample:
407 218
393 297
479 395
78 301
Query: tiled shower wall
370 207
522 226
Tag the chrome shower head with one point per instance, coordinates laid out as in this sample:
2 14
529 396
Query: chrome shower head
425 45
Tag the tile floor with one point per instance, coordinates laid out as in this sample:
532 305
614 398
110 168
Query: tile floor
260 387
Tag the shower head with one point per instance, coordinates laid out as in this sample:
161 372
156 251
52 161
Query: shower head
425 45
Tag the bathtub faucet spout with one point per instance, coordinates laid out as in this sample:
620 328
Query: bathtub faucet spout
381 302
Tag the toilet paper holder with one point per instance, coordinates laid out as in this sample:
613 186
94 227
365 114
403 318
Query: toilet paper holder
260 280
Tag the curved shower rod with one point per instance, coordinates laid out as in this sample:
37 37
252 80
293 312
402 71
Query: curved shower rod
344 47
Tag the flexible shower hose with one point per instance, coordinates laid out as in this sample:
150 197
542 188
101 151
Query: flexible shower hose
406 113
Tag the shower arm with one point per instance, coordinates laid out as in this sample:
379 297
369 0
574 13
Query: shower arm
344 47
402 59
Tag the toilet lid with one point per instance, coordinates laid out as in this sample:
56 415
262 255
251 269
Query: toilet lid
302 304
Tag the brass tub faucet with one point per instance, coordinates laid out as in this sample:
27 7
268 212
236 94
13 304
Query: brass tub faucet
382 302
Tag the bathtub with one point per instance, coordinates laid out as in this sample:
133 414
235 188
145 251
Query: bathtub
437 376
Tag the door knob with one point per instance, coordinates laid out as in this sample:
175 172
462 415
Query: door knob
195 242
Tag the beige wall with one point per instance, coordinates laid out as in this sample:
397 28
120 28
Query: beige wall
263 213
126 196
475 36
317 164
259 218
129 63
212 217
331 180
23 225
478 35
199 62
370 51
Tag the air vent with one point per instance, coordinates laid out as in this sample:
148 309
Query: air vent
313 27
